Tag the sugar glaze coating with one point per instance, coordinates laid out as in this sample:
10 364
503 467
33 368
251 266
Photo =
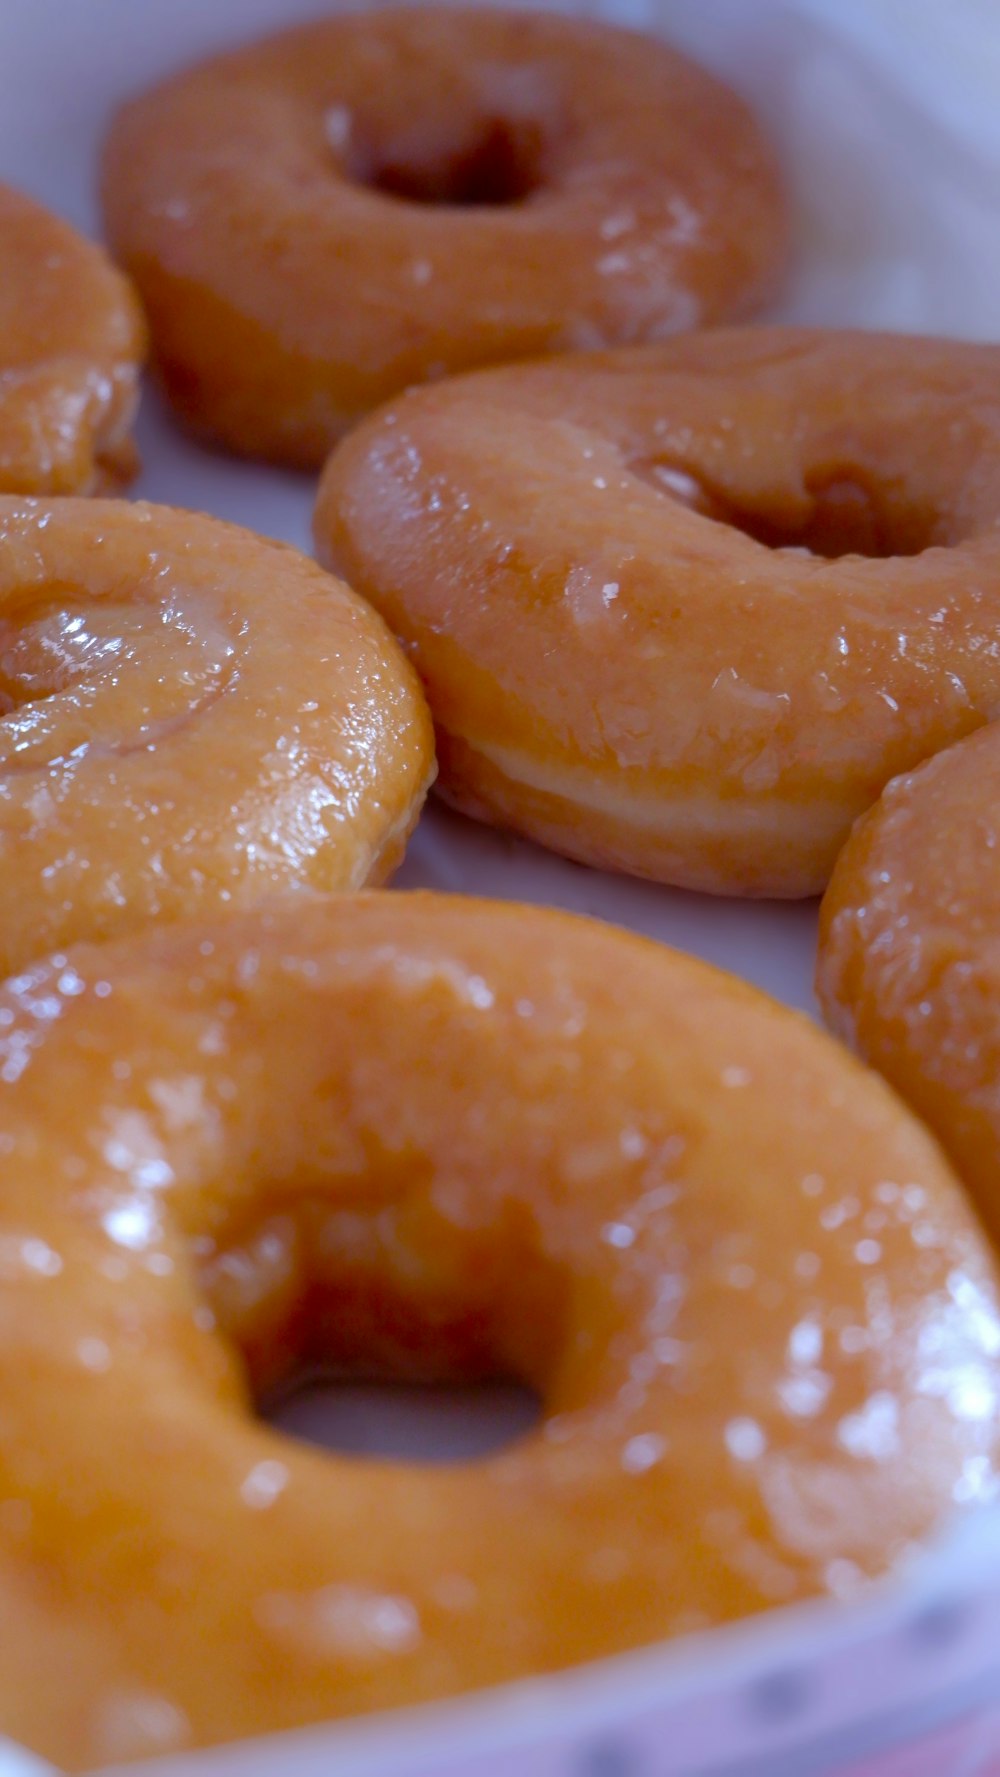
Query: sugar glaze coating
683 610
909 966
322 218
72 340
191 719
423 1137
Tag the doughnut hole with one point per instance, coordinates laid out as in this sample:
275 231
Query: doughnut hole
347 1340
63 655
429 1423
838 510
490 163
54 647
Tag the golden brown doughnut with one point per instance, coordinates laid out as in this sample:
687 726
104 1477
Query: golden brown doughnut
602 570
909 960
191 718
71 344
424 1137
318 220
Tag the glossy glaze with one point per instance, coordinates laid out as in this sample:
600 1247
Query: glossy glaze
909 958
683 610
578 186
71 343
191 719
427 1137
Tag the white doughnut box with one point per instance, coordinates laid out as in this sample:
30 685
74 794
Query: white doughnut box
886 114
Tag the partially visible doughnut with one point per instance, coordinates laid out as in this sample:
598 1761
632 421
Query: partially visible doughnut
71 344
320 219
191 718
909 958
683 610
431 1138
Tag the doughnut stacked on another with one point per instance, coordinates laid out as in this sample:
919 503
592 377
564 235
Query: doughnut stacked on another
322 218
72 340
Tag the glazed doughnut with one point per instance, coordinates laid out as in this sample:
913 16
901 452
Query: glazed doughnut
71 344
191 718
318 220
416 1136
909 968
683 611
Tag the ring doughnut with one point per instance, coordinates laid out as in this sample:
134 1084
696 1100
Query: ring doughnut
425 1137
318 220
683 611
71 344
909 970
191 718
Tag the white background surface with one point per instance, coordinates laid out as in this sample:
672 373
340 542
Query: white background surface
887 115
